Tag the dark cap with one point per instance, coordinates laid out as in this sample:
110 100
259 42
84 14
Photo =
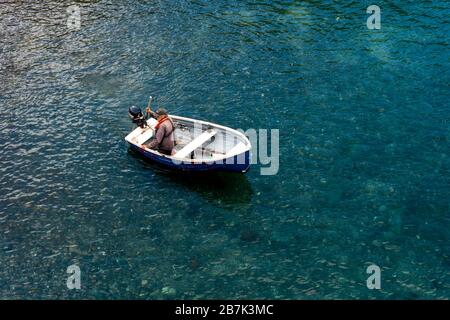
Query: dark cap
161 112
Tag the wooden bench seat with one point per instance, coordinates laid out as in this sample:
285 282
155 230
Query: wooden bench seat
194 144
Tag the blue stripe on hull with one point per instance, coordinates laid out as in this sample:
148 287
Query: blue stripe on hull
228 165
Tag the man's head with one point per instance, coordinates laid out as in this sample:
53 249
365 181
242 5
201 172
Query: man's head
161 112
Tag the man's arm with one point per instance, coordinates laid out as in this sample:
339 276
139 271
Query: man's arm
149 113
159 136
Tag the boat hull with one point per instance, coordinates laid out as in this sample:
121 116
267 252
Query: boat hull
238 163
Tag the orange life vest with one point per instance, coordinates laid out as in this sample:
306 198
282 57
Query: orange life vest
160 121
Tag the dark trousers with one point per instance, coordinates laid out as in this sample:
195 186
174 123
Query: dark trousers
166 152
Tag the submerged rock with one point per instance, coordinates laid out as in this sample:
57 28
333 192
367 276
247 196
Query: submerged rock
194 264
249 236
168 291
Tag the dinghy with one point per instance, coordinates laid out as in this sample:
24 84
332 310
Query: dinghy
199 145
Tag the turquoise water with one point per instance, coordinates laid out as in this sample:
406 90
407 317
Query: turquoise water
364 158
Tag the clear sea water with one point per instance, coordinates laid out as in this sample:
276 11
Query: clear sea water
364 150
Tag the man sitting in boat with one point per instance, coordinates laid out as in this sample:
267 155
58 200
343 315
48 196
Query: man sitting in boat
164 137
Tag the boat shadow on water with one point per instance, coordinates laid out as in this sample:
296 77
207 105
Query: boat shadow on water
220 188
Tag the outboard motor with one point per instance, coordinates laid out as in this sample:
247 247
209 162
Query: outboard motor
136 116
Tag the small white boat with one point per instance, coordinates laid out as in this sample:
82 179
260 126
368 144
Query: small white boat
199 146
